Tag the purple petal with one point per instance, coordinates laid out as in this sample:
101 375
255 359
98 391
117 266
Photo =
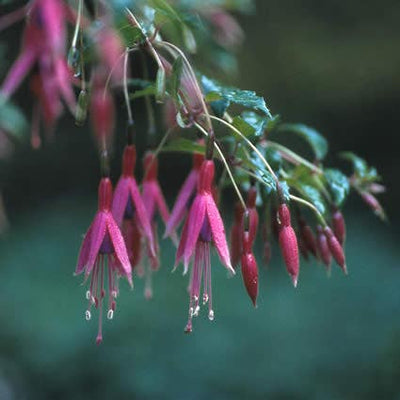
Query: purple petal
97 236
84 251
218 232
120 199
181 203
161 204
195 223
119 248
52 12
142 216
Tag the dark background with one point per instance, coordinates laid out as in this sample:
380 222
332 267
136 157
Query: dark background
333 65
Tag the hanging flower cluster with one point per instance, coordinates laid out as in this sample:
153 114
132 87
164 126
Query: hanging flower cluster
118 56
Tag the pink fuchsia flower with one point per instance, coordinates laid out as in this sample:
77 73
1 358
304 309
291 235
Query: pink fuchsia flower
43 44
153 197
203 226
203 212
103 255
288 243
129 210
183 201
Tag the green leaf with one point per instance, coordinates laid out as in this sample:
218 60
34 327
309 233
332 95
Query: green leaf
12 121
230 95
257 122
312 194
317 142
338 184
245 128
362 170
184 146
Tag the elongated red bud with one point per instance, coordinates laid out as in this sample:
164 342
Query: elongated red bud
102 111
335 248
307 237
288 244
249 269
372 202
339 226
323 248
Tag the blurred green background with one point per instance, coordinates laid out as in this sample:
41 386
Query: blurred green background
332 64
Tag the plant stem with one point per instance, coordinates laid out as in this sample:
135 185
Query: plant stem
311 206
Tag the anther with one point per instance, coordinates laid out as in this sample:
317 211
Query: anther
211 315
88 315
205 298
88 295
110 314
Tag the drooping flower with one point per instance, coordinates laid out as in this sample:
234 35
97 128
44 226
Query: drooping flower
339 226
154 200
44 40
129 210
183 201
103 255
203 226
288 243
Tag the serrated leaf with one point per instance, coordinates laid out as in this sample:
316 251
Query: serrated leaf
184 146
12 121
317 142
338 185
361 168
230 95
245 128
257 122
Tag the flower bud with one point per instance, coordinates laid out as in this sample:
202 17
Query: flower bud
249 269
307 237
372 202
288 243
339 226
335 248
206 176
323 248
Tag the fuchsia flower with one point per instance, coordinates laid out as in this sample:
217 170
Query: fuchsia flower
249 268
185 196
202 227
43 43
128 209
288 243
154 199
103 248
335 248
307 237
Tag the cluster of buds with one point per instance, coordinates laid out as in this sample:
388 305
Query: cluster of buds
122 240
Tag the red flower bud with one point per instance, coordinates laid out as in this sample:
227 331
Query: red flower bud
323 248
307 237
303 248
102 111
335 248
372 202
288 243
339 226
249 269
